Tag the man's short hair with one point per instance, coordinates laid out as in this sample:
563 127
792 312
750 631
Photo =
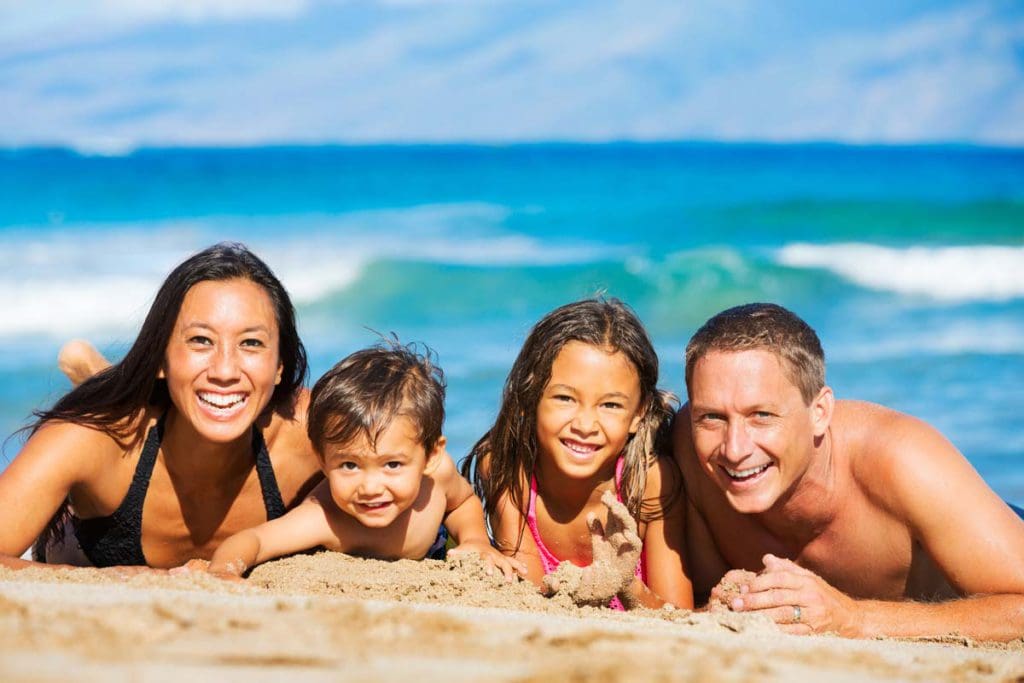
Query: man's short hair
368 389
769 327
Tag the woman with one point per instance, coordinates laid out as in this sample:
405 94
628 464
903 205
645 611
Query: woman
199 432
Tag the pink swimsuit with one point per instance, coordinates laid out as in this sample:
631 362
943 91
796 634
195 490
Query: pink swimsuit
548 560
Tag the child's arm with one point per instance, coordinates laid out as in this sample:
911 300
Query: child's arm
663 542
304 527
514 540
464 519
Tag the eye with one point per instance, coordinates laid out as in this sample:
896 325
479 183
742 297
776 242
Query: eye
253 343
348 466
613 405
763 414
712 417
562 398
392 465
200 340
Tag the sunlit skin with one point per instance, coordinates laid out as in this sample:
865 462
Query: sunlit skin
753 432
221 365
587 412
384 499
222 358
585 417
859 520
377 485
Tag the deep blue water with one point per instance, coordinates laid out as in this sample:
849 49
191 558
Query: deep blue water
909 261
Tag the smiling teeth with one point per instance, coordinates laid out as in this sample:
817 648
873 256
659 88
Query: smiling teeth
581 448
745 474
221 400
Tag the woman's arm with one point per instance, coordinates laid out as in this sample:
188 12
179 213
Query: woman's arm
57 458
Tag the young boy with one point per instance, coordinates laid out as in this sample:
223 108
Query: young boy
375 421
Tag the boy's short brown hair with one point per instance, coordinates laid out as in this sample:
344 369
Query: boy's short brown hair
368 389
769 327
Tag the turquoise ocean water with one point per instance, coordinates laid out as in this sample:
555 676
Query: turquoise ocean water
908 261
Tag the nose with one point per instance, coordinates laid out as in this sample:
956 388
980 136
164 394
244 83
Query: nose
371 484
738 444
224 364
585 421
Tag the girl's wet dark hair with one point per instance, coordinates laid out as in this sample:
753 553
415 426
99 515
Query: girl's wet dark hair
107 400
503 460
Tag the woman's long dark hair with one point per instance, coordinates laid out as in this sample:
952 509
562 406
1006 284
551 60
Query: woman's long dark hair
509 448
110 398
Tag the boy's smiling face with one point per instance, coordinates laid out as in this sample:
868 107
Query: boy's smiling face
378 485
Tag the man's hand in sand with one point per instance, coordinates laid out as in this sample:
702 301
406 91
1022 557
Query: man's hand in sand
616 550
796 599
492 559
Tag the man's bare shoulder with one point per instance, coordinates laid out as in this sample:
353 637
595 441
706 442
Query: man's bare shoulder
890 453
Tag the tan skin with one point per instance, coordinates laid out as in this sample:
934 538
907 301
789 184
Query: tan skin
867 519
204 486
592 398
384 500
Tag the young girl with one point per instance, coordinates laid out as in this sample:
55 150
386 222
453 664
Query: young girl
580 416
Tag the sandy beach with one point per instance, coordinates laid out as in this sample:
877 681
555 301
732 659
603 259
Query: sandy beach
331 617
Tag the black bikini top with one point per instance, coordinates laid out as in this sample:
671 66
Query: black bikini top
117 539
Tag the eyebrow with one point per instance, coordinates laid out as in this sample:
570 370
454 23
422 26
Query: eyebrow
247 330
566 387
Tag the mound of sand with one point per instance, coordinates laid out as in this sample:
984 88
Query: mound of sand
329 616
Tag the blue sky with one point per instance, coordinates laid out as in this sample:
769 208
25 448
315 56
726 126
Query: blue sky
116 74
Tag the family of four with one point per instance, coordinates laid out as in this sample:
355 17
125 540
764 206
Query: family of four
764 493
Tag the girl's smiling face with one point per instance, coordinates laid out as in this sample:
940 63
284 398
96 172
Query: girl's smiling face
587 411
222 361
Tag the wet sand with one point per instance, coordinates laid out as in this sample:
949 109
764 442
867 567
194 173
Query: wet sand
331 617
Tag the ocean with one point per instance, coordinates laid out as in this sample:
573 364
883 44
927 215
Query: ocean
909 261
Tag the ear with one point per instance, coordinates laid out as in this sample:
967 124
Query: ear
822 408
162 372
280 371
435 455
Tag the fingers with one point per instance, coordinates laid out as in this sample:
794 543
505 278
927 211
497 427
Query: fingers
769 600
773 563
774 580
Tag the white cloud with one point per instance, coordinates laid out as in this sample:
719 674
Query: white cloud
202 10
497 71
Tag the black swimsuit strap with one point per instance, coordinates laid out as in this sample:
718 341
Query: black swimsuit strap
117 538
272 500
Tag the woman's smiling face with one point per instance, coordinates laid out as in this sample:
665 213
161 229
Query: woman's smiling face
222 360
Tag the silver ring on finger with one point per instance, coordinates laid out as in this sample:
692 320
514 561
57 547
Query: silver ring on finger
797 614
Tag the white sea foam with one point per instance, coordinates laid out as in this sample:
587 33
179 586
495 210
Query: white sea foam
953 274
100 280
954 337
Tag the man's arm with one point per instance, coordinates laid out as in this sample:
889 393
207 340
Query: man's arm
971 535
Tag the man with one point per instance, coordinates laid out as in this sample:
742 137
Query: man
860 520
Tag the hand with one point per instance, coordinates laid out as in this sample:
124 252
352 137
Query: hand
616 550
197 566
190 567
125 572
492 559
733 584
796 599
